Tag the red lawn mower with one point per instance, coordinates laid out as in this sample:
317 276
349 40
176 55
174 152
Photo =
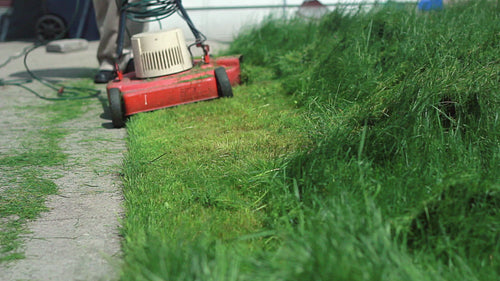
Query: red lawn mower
165 73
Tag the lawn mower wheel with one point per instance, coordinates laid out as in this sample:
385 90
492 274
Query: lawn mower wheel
116 106
224 88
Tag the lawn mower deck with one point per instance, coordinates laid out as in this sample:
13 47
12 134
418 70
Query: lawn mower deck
129 95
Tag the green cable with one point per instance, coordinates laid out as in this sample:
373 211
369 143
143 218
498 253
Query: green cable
9 59
147 10
21 83
64 93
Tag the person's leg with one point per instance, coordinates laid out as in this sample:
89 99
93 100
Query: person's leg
108 18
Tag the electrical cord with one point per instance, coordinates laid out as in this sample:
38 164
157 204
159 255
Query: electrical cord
64 95
155 10
63 92
145 10
13 57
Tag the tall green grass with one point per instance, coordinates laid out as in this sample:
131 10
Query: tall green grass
403 109
392 173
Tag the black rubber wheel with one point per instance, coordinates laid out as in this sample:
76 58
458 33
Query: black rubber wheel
116 106
50 27
224 88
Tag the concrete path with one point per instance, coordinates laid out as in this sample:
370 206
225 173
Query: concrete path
78 239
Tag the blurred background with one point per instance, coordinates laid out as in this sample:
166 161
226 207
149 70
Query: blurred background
219 20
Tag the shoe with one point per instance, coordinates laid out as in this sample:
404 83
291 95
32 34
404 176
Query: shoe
104 76
130 66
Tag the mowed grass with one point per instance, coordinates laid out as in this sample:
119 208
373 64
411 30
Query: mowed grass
386 165
194 176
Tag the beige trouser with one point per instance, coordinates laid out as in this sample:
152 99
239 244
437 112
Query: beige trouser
108 19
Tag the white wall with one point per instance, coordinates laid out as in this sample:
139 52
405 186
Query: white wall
212 3
222 25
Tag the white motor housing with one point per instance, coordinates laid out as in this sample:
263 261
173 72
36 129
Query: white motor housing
160 53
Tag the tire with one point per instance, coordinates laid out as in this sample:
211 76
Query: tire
224 88
50 27
116 106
